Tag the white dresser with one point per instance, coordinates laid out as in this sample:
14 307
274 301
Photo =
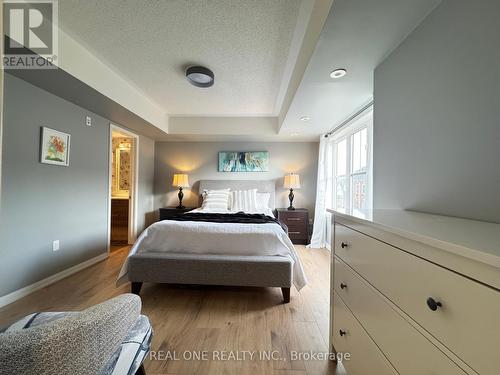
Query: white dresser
415 293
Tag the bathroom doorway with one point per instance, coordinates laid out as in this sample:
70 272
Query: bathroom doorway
122 188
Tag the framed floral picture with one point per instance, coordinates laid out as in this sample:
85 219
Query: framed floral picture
54 148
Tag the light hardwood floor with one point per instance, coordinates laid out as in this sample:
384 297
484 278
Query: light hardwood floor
190 320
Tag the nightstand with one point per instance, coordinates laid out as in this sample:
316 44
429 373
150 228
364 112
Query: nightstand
297 222
167 212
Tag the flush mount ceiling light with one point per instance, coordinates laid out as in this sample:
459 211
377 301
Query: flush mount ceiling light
304 118
200 76
338 73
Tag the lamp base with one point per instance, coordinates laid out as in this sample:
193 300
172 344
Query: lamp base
180 195
290 198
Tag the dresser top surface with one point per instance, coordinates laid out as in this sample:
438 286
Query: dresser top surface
470 238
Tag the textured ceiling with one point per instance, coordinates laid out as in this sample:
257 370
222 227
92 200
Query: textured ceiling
246 43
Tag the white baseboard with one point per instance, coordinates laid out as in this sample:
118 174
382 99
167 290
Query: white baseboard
20 293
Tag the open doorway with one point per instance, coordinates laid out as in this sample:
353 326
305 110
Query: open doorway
122 187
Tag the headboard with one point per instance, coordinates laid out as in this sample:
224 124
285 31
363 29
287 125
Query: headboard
262 186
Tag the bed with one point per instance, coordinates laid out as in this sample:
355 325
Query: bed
208 253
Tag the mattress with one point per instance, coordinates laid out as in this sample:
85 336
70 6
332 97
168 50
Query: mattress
208 238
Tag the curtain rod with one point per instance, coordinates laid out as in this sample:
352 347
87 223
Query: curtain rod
349 119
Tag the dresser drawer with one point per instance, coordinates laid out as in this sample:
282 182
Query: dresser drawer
365 357
388 329
468 321
291 220
295 232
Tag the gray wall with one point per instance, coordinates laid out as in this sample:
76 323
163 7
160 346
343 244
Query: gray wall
436 128
200 159
41 203
145 192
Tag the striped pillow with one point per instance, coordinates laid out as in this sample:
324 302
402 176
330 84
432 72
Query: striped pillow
245 200
216 200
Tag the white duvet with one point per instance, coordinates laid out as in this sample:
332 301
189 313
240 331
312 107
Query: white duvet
190 237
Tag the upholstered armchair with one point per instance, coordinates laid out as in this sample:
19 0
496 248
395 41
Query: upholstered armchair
109 338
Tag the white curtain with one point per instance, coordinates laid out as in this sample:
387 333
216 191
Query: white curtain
321 235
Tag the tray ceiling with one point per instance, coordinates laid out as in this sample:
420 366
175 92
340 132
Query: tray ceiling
246 44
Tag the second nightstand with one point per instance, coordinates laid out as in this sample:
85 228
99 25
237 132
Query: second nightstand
297 222
168 212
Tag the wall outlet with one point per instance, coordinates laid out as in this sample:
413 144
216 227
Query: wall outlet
88 121
55 245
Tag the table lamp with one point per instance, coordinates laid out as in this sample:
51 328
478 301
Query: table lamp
180 181
292 181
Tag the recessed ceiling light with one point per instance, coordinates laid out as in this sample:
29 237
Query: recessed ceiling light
200 76
305 118
294 134
338 73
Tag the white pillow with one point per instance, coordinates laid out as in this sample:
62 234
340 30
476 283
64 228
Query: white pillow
244 200
216 200
263 200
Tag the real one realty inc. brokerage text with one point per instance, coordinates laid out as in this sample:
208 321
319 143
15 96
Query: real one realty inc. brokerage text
245 355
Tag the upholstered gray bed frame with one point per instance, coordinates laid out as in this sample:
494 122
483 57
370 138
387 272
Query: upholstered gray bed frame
232 270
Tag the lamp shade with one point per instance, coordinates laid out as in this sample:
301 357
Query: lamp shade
292 181
180 180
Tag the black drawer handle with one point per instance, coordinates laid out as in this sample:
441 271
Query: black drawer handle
342 333
433 304
344 245
343 286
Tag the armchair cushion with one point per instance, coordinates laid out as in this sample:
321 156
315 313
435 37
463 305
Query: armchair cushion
93 341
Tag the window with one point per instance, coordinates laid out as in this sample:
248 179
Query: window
352 166
344 174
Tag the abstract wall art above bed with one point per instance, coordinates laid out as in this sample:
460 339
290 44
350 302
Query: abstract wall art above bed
243 161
